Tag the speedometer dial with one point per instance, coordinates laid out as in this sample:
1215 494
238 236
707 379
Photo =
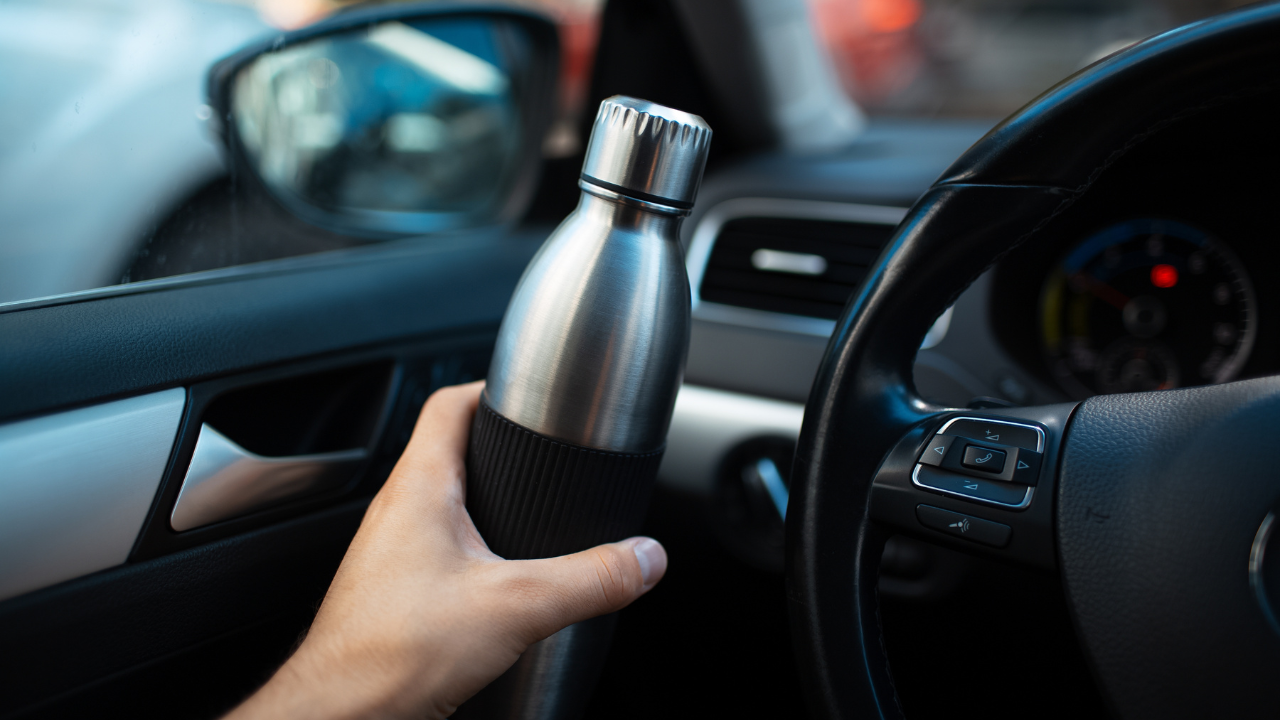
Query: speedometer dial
1147 305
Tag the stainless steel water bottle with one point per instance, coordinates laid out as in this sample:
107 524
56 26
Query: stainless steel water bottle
574 416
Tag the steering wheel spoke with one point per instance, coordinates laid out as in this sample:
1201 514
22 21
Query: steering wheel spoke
977 481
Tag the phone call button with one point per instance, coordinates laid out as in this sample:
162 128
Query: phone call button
977 457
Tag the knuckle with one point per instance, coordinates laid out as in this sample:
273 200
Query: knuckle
442 394
433 400
612 576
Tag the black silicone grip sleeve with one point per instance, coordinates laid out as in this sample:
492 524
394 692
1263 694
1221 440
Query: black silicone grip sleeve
531 496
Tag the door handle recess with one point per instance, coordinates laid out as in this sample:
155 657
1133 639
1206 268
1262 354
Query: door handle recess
225 481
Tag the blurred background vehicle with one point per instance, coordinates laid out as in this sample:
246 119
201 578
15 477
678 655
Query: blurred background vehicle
101 137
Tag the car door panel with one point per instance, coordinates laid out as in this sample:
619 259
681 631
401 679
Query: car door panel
75 637
406 317
168 333
419 367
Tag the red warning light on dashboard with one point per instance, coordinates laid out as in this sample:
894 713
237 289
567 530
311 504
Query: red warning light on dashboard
1164 276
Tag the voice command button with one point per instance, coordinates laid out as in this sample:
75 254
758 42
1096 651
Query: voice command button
964 526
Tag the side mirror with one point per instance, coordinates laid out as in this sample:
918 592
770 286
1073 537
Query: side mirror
395 120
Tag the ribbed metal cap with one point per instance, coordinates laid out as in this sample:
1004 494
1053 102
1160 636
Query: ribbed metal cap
646 151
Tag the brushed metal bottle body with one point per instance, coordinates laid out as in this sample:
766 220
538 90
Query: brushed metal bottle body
569 435
593 346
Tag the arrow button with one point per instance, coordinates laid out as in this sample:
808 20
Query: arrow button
1026 471
936 450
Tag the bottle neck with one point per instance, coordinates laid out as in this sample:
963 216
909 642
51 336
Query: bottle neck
629 216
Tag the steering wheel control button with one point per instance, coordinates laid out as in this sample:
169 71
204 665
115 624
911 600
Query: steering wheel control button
936 450
964 526
990 461
985 459
998 493
1026 467
1003 432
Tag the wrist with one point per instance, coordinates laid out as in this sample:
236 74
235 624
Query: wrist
324 682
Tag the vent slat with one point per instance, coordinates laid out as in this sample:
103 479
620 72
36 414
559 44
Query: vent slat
849 249
780 285
744 245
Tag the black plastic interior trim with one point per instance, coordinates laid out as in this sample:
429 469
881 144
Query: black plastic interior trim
64 637
68 355
316 412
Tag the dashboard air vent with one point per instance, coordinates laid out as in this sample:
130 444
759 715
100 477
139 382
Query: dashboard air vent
789 265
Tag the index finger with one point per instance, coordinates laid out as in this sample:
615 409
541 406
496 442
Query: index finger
438 447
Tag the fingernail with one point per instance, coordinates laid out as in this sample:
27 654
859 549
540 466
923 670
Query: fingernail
652 558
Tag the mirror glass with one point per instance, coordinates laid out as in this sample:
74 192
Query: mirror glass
396 127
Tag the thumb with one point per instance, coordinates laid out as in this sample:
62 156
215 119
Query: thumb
597 581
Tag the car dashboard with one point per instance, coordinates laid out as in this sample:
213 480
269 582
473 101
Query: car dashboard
1151 281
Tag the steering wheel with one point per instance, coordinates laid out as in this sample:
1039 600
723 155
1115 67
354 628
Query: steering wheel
1156 508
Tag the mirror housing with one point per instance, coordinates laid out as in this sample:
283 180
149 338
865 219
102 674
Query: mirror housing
393 120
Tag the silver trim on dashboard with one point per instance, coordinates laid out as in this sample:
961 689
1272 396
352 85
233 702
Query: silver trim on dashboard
708 228
76 486
708 423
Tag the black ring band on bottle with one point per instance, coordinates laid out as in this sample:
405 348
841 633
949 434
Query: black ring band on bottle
532 496
638 195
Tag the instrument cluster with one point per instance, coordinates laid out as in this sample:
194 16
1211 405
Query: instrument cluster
1156 274
1143 302
1146 304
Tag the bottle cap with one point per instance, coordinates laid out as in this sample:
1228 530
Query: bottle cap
646 152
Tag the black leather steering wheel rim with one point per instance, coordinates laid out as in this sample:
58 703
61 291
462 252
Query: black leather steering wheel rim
1025 172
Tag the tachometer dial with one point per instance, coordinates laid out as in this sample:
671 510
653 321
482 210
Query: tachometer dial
1147 305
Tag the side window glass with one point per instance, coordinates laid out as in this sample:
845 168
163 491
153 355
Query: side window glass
111 166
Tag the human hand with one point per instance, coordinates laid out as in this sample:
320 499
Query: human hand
421 615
